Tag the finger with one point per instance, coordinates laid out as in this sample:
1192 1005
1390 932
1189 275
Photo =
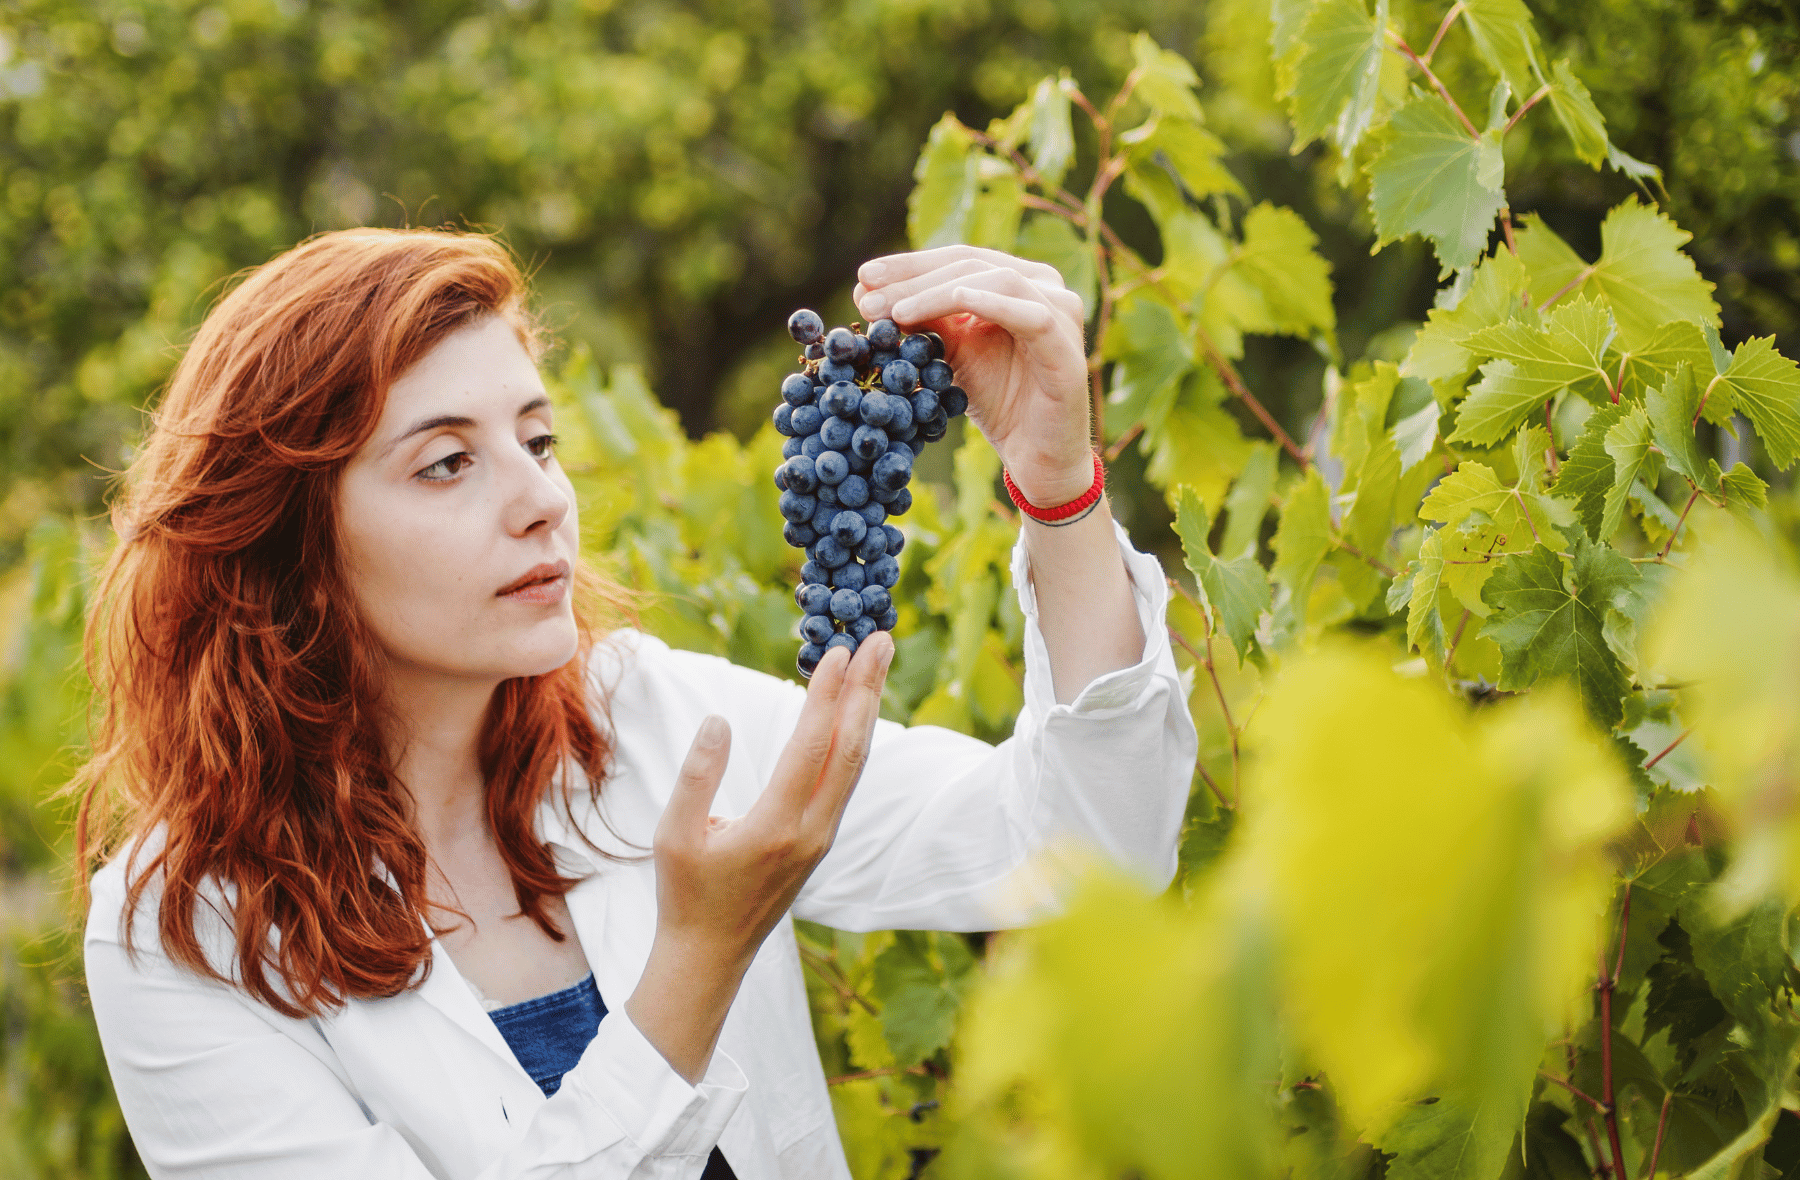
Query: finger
684 821
858 709
1003 298
803 758
875 302
894 267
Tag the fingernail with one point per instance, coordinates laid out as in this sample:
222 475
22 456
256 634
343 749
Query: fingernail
712 731
872 272
887 655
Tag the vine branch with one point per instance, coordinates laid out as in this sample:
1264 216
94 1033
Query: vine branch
1443 91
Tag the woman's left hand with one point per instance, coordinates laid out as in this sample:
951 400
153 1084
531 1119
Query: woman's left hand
1013 333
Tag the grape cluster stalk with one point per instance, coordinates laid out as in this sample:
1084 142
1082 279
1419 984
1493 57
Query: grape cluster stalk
855 418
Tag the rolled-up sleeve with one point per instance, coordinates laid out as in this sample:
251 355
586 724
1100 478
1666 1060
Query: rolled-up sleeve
946 832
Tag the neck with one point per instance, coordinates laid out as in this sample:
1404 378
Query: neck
436 754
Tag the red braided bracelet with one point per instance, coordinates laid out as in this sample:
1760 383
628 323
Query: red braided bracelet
1063 513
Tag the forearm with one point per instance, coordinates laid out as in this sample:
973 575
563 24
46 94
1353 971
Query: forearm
1086 612
681 1001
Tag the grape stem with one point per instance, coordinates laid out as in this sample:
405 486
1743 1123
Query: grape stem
1542 92
1206 661
827 970
1444 91
1662 1124
1608 984
1663 753
877 1073
1353 551
1676 532
1572 1088
1443 27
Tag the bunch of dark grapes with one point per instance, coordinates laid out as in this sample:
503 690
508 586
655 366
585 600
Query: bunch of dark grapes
855 419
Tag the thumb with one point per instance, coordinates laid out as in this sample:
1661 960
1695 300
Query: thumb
683 823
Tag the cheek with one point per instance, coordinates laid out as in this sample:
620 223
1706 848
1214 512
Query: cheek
401 568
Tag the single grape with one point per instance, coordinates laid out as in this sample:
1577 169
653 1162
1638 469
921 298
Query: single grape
875 599
804 420
861 628
828 552
937 345
896 539
933 429
881 356
815 351
858 464
900 426
808 661
813 598
917 349
822 518
853 492
814 573
884 334
868 443
848 528
805 326
797 389
955 400
916 445
831 372
884 572
798 507
936 375
812 446
845 605
827 494
836 432
781 480
798 535
925 406
899 376
840 345
873 546
902 503
892 471
831 467
876 409
840 400
817 629
881 495
784 419
887 620
801 474
873 514
849 576
841 640
792 446
861 358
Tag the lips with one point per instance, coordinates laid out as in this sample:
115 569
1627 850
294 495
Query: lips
547 571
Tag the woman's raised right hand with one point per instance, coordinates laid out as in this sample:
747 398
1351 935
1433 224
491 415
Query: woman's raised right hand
723 884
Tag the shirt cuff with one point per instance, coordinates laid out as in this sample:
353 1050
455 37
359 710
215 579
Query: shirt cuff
1113 692
655 1107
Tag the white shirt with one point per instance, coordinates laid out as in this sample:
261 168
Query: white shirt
941 833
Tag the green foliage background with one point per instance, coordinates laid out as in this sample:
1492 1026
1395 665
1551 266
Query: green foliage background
1404 487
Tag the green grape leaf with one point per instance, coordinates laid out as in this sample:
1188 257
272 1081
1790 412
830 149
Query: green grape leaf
919 1001
1200 443
1279 257
1432 178
1674 343
1424 625
1369 524
1187 148
1238 590
1628 442
1166 81
1764 386
1745 493
1532 365
1052 137
1642 275
1550 623
1576 111
1151 354
1249 501
1504 36
1416 433
1047 238
1671 409
1487 520
1449 1138
994 215
946 183
1331 74
1632 166
1286 18
1440 351
1587 474
1302 540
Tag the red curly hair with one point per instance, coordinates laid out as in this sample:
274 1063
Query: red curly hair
237 699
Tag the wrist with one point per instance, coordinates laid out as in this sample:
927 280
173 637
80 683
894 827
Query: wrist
1061 497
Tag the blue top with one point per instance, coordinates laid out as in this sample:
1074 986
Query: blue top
549 1033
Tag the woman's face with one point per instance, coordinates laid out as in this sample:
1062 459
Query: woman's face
456 524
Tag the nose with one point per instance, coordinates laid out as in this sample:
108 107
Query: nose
535 499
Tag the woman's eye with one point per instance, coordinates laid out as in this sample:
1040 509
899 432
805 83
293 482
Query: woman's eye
542 446
446 468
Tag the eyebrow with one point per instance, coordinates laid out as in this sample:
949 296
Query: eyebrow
442 420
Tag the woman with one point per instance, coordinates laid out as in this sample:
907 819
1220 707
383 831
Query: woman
373 807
